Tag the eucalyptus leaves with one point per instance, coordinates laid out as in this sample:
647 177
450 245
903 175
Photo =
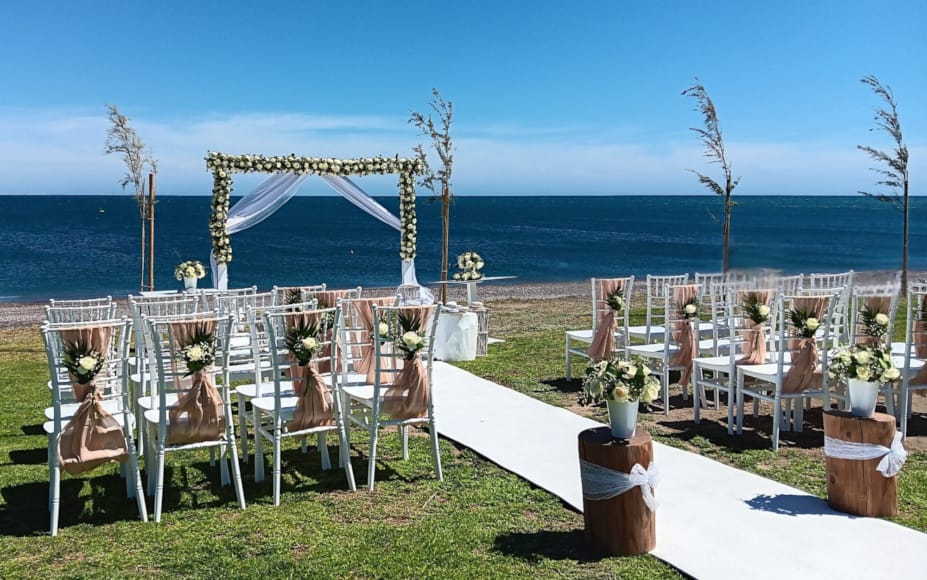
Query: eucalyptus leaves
223 166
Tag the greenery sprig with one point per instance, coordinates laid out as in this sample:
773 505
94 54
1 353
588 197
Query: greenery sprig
302 340
803 324
199 353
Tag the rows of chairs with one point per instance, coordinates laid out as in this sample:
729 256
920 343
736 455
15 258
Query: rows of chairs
718 355
152 394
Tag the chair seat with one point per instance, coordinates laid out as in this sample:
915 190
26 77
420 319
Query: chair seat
581 335
153 416
360 393
651 350
147 403
249 391
49 426
67 409
763 371
721 364
266 405
641 331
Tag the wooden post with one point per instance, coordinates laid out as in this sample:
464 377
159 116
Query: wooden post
151 230
622 525
854 486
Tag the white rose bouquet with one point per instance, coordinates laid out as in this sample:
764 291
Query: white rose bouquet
619 380
615 300
690 308
199 353
470 265
755 308
875 323
83 362
804 325
864 362
189 269
409 340
302 340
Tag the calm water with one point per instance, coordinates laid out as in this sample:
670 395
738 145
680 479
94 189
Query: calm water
60 247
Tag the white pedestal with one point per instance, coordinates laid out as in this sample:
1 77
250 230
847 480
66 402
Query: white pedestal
455 337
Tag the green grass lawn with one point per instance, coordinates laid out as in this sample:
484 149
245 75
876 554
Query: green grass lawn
480 522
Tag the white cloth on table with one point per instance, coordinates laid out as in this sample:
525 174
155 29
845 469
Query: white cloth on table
455 336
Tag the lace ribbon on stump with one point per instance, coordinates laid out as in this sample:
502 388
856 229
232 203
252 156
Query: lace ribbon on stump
329 299
313 399
408 397
803 371
198 414
603 344
364 354
754 335
875 305
93 436
683 333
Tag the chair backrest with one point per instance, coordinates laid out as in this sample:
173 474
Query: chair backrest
409 294
80 310
170 374
705 280
259 341
112 336
657 299
329 298
883 297
211 296
237 305
169 305
825 336
742 327
282 320
293 294
600 305
388 359
820 280
356 335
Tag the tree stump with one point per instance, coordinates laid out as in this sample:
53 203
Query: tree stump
622 525
854 486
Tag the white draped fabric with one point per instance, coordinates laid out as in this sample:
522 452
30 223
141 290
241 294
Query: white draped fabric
277 189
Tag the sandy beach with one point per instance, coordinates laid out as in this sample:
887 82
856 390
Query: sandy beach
17 315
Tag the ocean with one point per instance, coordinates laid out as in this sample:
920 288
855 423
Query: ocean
88 246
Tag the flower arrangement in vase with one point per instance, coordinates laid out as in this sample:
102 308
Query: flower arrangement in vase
622 384
470 265
190 271
865 366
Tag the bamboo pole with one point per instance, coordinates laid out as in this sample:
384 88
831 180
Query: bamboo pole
151 230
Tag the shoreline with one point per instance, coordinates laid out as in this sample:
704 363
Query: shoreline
25 314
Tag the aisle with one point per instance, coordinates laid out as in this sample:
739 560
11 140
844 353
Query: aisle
713 521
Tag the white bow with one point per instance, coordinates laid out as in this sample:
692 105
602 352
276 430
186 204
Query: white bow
892 459
600 483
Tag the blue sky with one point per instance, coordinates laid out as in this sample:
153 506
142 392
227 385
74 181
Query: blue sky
549 97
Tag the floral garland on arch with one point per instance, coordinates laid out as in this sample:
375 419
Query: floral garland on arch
223 166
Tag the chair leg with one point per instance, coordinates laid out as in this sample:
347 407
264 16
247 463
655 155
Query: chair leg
372 463
568 369
323 450
799 417
54 490
740 404
731 396
436 449
159 484
258 446
404 436
344 450
277 469
696 400
136 478
665 380
236 470
242 429
224 478
777 419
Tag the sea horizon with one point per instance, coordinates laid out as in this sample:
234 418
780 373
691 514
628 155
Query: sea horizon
71 246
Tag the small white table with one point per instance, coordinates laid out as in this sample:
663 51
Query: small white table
471 285
455 336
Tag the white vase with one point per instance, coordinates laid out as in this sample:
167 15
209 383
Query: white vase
622 417
863 397
189 283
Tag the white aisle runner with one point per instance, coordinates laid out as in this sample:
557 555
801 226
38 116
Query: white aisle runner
713 521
